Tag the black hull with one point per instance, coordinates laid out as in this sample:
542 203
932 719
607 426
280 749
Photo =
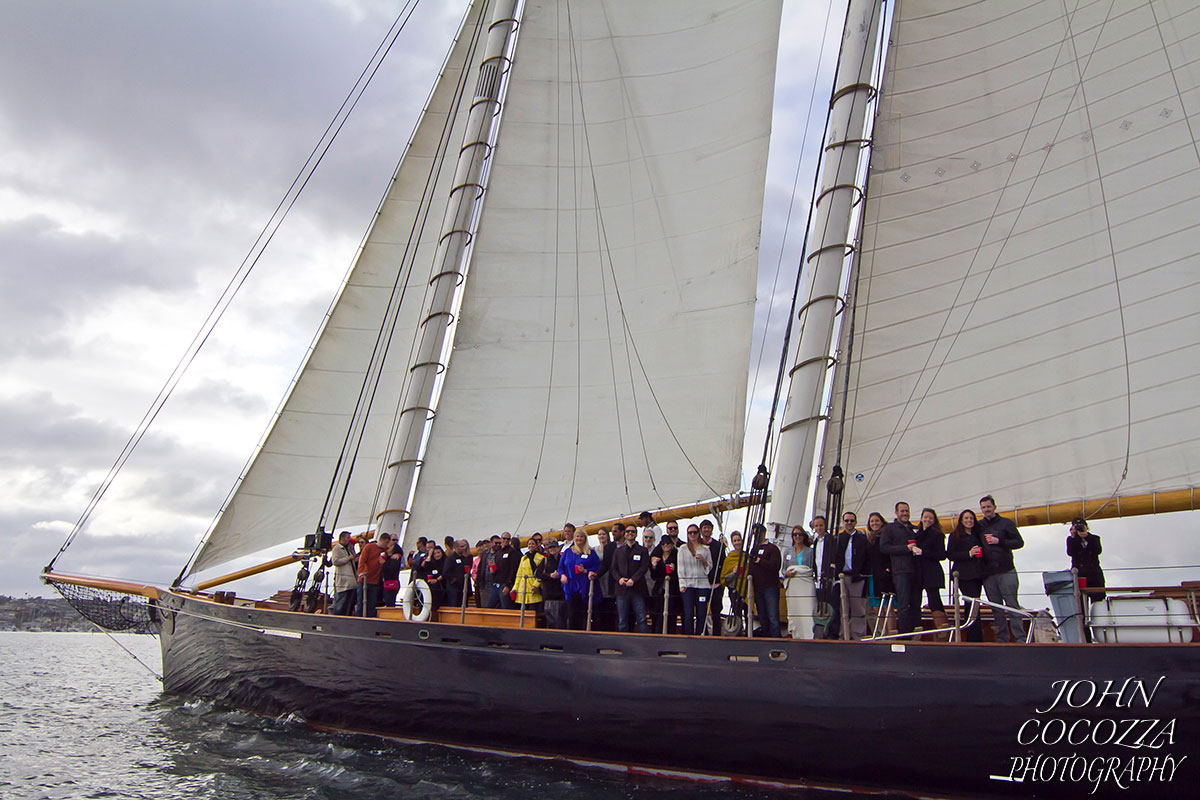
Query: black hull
930 719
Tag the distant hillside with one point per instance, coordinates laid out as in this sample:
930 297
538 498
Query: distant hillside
40 614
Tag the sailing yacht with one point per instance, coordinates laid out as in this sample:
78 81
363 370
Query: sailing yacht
550 321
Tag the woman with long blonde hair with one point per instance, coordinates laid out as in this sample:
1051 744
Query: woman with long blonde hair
577 570
695 559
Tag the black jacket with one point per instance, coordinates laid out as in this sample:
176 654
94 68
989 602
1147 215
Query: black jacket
859 554
933 552
551 587
893 542
659 572
1085 553
959 549
507 561
999 557
630 561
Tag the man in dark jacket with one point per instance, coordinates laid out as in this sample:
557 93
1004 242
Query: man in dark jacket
509 558
898 541
716 551
1084 549
458 564
629 566
765 563
850 552
554 602
1000 538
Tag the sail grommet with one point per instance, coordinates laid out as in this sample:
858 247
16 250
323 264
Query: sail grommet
777 655
422 634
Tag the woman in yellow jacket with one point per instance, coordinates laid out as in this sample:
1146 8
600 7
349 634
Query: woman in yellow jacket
527 588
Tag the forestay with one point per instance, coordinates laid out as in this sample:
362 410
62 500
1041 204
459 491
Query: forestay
281 496
1030 279
601 355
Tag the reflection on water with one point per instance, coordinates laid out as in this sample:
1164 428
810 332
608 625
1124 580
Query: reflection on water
79 718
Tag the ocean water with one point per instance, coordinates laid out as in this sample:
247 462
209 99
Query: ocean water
80 718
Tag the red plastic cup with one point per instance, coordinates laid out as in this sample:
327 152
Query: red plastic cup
670 568
491 567
578 569
911 542
1083 583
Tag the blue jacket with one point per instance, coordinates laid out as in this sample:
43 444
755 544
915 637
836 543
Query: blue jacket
577 584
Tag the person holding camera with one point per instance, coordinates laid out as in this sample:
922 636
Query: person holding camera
1084 549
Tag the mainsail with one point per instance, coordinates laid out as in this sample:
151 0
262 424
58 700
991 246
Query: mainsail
1028 301
601 355
283 493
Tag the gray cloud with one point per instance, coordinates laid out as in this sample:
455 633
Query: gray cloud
50 277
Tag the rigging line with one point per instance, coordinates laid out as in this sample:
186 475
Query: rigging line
855 265
576 82
359 414
1112 256
311 347
128 652
898 431
403 275
768 456
1174 80
787 223
537 470
819 388
603 251
225 300
274 222
602 234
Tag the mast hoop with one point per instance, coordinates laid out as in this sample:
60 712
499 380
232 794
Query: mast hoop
430 413
830 361
438 314
467 185
848 248
850 88
862 144
814 418
458 277
478 143
837 298
404 513
516 24
417 461
439 366
852 186
482 101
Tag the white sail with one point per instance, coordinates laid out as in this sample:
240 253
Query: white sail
1028 307
282 494
600 360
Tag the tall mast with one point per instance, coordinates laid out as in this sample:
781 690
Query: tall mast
456 231
842 189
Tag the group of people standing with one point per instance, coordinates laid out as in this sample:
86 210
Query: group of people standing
904 558
647 580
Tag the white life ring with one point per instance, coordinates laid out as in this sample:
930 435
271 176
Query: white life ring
426 601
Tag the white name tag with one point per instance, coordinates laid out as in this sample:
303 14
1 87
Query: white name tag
637 558
506 555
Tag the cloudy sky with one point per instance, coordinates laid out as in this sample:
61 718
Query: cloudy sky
145 146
